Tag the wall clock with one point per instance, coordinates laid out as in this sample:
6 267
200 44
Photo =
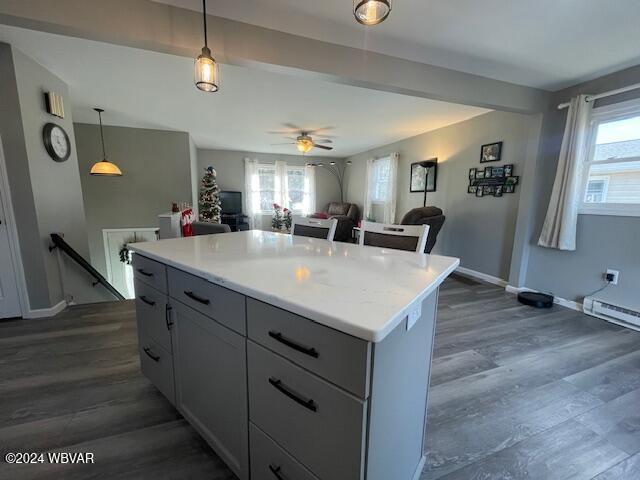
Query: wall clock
56 142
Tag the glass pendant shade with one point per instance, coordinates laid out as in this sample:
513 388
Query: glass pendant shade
206 72
304 145
106 168
371 12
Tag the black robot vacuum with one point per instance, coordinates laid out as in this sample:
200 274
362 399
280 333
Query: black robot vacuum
535 299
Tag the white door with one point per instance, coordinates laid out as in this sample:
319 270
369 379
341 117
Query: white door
9 300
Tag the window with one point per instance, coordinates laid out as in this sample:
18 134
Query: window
612 171
380 180
292 190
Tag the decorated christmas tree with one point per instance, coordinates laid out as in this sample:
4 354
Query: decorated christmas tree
209 201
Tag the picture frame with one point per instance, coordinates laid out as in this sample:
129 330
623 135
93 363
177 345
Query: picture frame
417 174
491 152
497 172
480 174
511 180
508 189
472 189
472 173
479 192
498 191
488 172
508 170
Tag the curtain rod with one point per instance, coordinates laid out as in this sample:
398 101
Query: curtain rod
592 98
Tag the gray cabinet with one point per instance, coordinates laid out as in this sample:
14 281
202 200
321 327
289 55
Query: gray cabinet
211 388
313 403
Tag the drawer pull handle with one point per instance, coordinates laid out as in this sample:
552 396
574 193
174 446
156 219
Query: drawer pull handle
276 472
143 272
204 301
150 354
310 404
312 352
167 316
147 301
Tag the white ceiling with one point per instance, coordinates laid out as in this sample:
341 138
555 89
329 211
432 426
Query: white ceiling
139 88
547 44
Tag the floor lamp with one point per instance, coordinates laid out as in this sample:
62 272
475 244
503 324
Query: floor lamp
427 164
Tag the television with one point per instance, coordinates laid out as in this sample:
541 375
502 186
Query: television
231 202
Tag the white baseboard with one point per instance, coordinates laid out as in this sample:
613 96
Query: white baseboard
482 276
46 312
558 300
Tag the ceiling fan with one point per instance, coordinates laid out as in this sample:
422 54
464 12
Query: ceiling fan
304 142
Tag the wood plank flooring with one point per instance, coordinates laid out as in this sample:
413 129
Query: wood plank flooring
516 393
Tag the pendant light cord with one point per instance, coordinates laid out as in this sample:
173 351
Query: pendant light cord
104 152
204 21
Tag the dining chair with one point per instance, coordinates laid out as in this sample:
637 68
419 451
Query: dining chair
314 227
399 237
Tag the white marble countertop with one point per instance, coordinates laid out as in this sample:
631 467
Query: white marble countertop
363 291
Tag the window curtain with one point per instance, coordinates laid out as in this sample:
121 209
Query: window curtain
559 229
310 189
281 196
390 203
368 204
375 188
251 191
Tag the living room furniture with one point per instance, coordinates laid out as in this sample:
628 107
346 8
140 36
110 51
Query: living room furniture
314 227
347 215
206 228
431 216
321 374
399 237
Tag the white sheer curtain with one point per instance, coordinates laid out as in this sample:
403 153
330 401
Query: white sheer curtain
368 184
281 196
392 181
559 229
381 188
310 189
251 191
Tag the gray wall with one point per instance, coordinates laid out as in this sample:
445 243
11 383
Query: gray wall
479 231
229 165
46 195
603 241
156 172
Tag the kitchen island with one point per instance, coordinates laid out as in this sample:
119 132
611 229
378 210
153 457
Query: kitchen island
294 357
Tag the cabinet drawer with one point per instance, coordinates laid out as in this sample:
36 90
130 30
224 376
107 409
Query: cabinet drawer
157 365
153 317
221 304
150 272
316 422
270 462
338 357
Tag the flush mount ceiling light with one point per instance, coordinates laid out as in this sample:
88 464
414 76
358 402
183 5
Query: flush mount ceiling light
206 68
104 167
304 143
371 12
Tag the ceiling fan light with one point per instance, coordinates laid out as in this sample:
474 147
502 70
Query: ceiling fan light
206 72
371 12
304 145
105 168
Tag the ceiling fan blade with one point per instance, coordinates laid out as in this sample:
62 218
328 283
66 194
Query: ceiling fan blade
321 129
287 143
323 140
293 127
323 147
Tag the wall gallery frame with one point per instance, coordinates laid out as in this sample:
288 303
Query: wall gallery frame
493 181
416 180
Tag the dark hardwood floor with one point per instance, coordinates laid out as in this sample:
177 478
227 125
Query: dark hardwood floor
516 393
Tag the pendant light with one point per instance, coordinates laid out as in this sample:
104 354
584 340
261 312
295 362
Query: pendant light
206 68
371 12
104 167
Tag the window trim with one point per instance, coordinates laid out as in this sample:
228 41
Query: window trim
605 114
271 167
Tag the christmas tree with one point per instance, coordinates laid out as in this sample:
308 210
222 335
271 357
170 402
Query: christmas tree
209 201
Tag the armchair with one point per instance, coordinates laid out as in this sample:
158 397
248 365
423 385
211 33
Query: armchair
431 216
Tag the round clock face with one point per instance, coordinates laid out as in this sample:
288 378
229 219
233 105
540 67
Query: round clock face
56 142
59 142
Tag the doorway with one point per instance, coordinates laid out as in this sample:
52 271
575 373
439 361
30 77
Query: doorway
9 260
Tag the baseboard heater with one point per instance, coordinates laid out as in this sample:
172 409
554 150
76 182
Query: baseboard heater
612 313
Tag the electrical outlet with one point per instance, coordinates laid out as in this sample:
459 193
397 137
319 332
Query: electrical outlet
614 274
